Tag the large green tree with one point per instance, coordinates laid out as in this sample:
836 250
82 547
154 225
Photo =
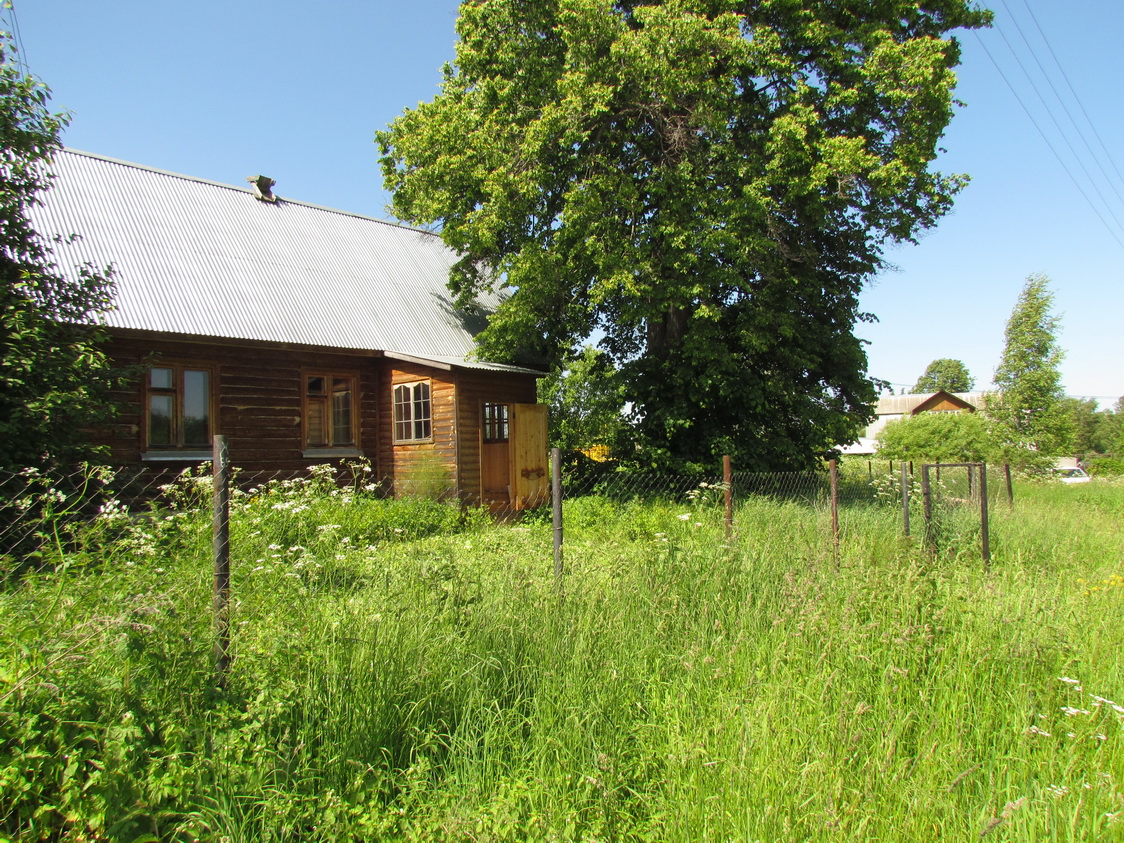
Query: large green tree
586 402
706 184
944 373
54 379
1029 402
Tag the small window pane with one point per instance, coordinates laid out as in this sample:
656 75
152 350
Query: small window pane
160 378
196 407
317 424
341 412
159 420
316 385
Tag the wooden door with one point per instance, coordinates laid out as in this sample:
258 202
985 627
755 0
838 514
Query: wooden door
529 481
495 452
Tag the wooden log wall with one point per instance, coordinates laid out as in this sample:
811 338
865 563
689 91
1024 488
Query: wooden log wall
257 399
474 389
420 466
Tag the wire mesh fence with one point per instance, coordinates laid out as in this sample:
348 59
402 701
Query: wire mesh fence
47 516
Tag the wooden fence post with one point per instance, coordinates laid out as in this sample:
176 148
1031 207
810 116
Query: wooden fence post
220 541
728 481
556 501
905 498
1010 488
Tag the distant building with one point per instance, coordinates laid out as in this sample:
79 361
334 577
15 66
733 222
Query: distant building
893 407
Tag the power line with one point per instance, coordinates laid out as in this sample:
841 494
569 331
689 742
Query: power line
1061 100
1073 91
1058 126
1061 161
13 27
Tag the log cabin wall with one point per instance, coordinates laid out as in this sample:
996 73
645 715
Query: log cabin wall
474 388
256 398
426 465
257 403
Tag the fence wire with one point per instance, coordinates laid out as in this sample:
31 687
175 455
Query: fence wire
44 516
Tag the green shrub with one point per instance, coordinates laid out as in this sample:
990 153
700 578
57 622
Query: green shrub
1105 467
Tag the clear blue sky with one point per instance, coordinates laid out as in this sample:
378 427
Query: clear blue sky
296 91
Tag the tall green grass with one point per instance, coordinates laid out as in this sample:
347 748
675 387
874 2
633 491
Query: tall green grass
408 674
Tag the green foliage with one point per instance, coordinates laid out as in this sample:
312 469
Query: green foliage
586 400
944 373
1105 466
686 688
1093 431
54 379
944 437
1028 404
707 183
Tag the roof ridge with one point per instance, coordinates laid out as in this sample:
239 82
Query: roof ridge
246 190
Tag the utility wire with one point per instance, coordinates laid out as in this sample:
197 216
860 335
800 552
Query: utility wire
1061 161
1073 90
1061 131
1061 100
16 36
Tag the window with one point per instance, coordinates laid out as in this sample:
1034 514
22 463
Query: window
412 412
329 410
178 408
495 423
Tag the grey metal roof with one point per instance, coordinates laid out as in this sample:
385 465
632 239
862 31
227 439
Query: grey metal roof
200 258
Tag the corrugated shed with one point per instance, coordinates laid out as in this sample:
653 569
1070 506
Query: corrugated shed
199 258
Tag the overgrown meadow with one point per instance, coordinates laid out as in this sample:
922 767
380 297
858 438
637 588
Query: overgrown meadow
404 670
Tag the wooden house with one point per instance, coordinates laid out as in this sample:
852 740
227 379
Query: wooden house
893 407
301 333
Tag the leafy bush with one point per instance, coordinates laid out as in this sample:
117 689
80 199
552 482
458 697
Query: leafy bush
1105 467
956 437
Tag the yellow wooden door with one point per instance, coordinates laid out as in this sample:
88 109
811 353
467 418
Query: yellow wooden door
530 485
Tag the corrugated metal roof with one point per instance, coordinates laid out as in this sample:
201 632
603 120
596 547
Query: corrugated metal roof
201 258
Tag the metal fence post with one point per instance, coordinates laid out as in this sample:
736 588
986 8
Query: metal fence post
985 540
728 480
220 535
556 501
833 465
927 502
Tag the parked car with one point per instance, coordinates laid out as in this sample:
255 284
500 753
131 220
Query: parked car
1072 475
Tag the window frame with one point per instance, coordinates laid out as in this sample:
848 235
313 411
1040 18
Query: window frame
331 447
397 419
178 447
495 422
